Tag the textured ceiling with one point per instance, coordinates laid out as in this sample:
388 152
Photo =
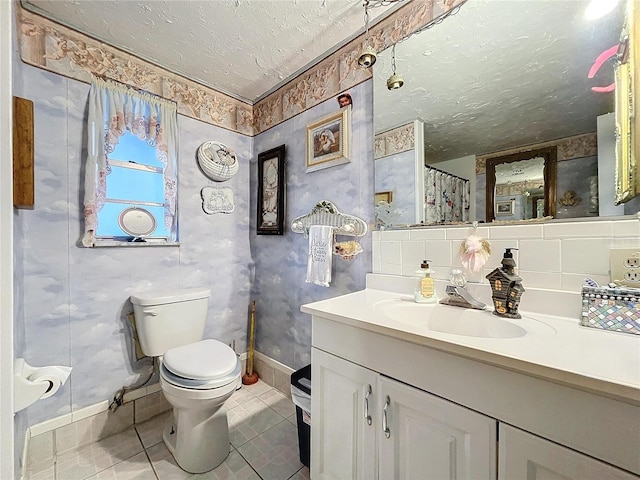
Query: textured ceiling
244 48
499 74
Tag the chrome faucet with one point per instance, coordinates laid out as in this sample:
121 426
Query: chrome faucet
457 294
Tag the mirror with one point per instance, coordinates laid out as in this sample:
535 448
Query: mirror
499 78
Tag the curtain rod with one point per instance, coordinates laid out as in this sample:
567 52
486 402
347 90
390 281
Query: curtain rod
136 89
446 173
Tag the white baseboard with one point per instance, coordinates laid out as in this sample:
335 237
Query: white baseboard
91 410
273 373
95 409
274 363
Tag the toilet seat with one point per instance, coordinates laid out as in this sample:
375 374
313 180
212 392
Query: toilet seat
202 365
200 384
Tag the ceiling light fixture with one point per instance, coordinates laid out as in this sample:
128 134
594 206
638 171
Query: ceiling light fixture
395 81
599 8
369 55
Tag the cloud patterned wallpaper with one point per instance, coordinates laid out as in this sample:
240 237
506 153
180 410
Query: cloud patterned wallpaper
71 302
282 331
396 174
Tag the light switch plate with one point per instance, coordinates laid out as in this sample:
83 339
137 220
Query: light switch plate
625 266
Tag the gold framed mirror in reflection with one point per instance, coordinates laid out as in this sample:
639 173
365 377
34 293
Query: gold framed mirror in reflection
626 76
524 181
502 86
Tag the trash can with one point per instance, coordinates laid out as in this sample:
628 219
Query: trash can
301 396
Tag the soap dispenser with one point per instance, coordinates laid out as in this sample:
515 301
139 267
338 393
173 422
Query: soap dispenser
506 287
424 291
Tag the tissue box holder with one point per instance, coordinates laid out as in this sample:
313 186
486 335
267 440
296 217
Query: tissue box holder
616 309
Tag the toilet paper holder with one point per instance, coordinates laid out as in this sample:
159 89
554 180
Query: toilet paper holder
30 384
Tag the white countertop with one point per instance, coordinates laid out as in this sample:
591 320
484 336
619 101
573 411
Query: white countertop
607 363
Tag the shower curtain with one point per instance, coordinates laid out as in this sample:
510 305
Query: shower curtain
446 197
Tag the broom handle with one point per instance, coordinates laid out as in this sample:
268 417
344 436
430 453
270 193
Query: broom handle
251 338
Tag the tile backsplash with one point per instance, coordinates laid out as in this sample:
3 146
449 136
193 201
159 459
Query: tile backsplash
551 256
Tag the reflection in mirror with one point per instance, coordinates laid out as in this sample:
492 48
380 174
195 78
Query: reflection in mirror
516 80
526 181
529 190
627 76
399 177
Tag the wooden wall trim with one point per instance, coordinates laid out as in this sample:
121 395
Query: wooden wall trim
23 154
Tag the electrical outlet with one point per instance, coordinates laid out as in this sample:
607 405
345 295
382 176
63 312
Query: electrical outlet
632 276
625 266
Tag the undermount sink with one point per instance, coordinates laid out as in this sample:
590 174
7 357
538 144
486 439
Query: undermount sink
460 321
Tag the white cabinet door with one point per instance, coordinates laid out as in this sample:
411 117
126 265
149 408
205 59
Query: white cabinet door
431 438
343 419
527 457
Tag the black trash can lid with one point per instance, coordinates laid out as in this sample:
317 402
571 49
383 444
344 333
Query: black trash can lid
298 379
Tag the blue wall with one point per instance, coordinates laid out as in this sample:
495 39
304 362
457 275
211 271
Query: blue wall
396 173
71 302
283 332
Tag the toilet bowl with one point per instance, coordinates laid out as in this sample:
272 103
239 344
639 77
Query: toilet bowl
196 380
196 376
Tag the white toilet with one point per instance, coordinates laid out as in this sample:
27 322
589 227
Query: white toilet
197 376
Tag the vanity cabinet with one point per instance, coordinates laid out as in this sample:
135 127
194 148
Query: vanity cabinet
343 419
455 417
367 426
525 456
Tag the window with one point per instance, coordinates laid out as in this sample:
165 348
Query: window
135 185
131 173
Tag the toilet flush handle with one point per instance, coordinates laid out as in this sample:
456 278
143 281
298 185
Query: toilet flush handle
151 313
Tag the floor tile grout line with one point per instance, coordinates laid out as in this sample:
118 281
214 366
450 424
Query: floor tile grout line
256 436
249 463
153 468
121 460
249 395
296 472
146 454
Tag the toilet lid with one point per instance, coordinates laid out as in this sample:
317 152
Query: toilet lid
204 360
201 384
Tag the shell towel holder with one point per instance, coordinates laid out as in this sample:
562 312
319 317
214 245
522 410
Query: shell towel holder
326 213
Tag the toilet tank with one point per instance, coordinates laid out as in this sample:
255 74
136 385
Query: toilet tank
169 319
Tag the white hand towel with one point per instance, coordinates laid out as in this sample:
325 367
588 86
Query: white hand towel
320 250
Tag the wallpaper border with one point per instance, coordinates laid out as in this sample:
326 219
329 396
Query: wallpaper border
48 45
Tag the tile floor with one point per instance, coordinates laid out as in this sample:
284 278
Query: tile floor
264 445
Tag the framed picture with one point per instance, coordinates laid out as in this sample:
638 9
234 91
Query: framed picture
505 207
383 197
328 140
271 192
